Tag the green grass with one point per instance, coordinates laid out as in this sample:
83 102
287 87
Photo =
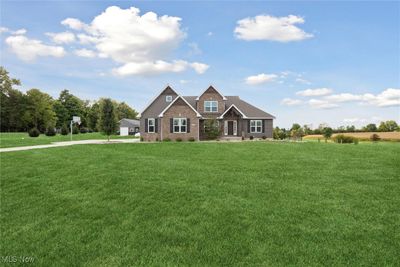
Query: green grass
202 204
23 139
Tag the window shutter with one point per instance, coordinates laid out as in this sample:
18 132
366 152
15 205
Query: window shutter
188 125
263 126
248 126
171 125
146 123
156 125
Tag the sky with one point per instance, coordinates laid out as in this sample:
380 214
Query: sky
307 62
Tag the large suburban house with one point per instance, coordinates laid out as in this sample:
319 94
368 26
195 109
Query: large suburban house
172 116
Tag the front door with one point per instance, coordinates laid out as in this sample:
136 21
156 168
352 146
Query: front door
230 127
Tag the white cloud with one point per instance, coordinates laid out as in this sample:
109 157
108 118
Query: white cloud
301 80
62 37
184 81
210 33
158 67
260 78
353 120
74 24
85 53
265 27
28 49
4 29
291 102
321 104
387 98
19 32
143 44
315 92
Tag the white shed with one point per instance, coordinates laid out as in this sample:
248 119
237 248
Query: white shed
128 127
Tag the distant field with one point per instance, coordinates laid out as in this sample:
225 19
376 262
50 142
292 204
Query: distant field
203 204
23 139
386 136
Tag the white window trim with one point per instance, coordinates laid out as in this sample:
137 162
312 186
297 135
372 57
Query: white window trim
180 125
154 125
255 126
210 101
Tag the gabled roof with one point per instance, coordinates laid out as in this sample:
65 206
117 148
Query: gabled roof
170 105
154 99
247 109
235 107
212 87
129 123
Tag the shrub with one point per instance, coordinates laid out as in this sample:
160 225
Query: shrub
344 139
75 130
90 131
64 130
264 137
156 139
50 131
251 137
211 129
375 138
166 140
141 138
242 138
34 132
191 139
83 130
356 141
178 139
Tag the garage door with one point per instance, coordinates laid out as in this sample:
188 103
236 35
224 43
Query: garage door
124 131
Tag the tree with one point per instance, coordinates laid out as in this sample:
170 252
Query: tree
12 103
125 111
68 106
211 129
108 118
351 129
327 132
296 131
370 128
93 116
39 110
388 126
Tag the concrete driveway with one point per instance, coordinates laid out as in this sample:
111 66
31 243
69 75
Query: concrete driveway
71 143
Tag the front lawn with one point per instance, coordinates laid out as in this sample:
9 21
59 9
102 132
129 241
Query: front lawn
23 139
219 204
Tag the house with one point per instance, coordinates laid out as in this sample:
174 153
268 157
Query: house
128 127
171 116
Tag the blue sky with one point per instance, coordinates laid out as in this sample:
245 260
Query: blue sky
306 62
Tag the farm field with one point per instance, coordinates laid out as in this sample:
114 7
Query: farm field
386 136
168 204
23 139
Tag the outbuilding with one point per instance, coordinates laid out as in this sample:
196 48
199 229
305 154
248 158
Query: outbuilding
128 127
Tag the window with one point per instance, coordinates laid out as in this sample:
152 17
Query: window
168 98
255 126
151 125
179 125
210 106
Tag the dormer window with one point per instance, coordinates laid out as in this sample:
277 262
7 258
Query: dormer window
168 98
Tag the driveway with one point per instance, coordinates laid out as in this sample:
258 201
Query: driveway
70 143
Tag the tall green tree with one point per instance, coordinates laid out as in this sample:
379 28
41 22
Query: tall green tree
67 106
93 116
108 118
388 126
124 111
39 110
12 103
370 127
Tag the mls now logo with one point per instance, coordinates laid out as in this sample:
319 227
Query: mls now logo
14 259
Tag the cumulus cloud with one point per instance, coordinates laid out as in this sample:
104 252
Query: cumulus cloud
158 67
17 32
260 78
4 29
142 44
74 24
62 37
387 98
315 92
85 53
29 49
321 104
291 102
265 27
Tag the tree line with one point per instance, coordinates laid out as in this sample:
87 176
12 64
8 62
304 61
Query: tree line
35 109
297 131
